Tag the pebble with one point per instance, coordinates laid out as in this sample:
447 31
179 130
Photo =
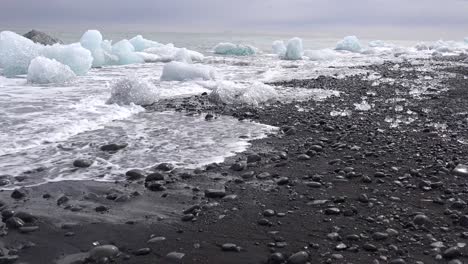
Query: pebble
461 170
276 258
113 147
18 194
104 251
14 222
300 257
83 163
303 157
142 252
269 213
135 174
332 211
156 176
421 220
28 229
230 247
156 240
451 253
213 193
239 166
175 256
253 158
165 167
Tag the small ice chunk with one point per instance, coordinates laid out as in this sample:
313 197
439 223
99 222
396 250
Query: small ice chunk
92 41
43 71
180 71
421 46
126 53
196 56
320 55
140 43
363 106
279 48
377 44
233 49
349 43
294 49
16 52
148 57
75 56
133 90
243 93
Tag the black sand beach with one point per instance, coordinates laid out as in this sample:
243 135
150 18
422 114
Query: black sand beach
324 189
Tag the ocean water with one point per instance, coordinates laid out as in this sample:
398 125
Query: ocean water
43 128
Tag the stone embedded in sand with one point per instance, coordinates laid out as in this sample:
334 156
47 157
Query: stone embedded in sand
18 194
298 258
212 193
239 166
83 163
421 219
230 247
175 257
156 176
113 147
14 222
461 170
156 240
165 167
105 251
135 174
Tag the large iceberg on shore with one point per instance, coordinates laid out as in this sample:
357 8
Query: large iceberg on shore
75 56
232 93
180 71
234 49
294 49
279 48
133 90
140 43
16 52
125 51
43 71
92 41
349 43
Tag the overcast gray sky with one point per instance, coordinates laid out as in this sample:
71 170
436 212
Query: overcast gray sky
239 15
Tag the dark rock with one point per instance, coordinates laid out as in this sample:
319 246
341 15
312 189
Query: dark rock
282 181
269 213
113 147
83 163
175 257
187 217
421 220
213 193
28 229
101 209
464 220
298 258
397 261
155 186
303 157
156 176
10 259
379 236
451 253
230 247
135 174
165 167
253 158
18 194
239 166
276 258
62 200
26 217
14 222
369 247
42 38
142 252
332 211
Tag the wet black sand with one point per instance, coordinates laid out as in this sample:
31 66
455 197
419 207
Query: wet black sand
338 189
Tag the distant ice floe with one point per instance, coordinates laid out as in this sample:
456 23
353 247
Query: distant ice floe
321 55
133 90
226 48
237 93
43 71
180 71
349 43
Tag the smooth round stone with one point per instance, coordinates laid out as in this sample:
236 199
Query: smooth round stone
269 213
105 251
142 251
300 257
421 220
175 256
83 163
276 258
28 229
451 253
14 222
229 247
156 240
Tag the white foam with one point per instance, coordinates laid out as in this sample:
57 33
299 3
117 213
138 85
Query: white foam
179 71
243 93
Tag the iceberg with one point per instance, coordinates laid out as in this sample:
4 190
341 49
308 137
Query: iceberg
169 53
140 43
133 90
180 71
92 41
349 43
43 71
279 48
75 56
232 93
16 52
320 55
233 49
125 51
294 49
182 55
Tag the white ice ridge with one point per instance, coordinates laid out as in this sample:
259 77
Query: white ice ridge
226 48
349 43
133 90
236 93
294 49
181 71
43 71
320 55
16 53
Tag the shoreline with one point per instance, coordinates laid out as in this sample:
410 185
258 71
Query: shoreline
326 189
